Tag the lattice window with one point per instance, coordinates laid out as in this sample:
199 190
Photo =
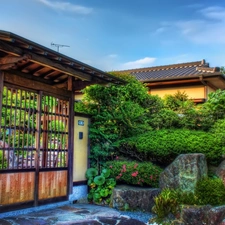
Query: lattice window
54 132
18 127
27 133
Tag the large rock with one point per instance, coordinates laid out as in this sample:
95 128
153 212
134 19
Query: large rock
199 215
126 197
220 172
184 172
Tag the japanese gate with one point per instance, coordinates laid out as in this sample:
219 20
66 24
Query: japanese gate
37 88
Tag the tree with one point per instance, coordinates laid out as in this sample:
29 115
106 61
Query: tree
118 112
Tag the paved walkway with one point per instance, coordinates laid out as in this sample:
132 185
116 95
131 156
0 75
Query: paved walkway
69 214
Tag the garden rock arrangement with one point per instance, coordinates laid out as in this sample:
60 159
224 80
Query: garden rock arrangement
184 172
196 215
126 197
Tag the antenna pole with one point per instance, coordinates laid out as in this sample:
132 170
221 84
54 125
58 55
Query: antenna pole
59 46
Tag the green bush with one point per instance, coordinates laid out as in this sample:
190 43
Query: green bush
210 191
166 144
136 173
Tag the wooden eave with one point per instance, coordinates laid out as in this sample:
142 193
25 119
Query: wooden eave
216 80
28 58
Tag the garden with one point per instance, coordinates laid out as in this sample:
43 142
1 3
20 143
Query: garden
135 136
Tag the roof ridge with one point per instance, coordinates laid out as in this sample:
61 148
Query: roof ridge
171 66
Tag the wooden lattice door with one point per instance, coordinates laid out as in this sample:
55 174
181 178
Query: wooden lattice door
33 146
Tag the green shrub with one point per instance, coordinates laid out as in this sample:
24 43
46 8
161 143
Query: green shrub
100 186
165 203
170 201
210 191
167 144
136 173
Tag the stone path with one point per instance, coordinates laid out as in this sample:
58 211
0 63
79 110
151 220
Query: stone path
70 214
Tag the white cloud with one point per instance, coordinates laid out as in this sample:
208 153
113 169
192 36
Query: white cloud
160 30
214 12
209 28
66 7
147 61
113 56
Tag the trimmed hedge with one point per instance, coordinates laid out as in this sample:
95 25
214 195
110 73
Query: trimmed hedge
136 173
164 144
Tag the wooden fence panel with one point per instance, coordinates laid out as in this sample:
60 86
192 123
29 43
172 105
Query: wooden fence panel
52 184
16 187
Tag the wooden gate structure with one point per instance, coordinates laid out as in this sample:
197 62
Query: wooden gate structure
37 88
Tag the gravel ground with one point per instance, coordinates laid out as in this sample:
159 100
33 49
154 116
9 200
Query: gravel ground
138 215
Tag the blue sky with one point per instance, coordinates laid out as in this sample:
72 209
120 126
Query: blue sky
123 34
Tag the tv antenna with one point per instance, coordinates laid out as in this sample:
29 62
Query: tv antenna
59 46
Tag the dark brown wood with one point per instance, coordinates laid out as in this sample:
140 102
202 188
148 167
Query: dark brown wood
35 85
71 145
70 83
42 60
154 84
1 94
12 50
37 155
56 66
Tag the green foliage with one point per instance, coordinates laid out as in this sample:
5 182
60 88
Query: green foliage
118 111
101 186
215 105
165 203
165 118
218 130
136 173
210 191
3 162
166 144
178 102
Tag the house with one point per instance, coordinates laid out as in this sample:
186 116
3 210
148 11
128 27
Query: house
196 79
43 144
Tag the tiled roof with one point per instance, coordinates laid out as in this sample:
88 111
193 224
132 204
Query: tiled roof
175 71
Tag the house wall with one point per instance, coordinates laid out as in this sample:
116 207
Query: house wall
81 149
78 97
193 92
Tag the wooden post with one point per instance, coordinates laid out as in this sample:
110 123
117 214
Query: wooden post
70 140
37 155
1 94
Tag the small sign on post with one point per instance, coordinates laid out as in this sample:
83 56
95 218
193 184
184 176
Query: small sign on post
80 123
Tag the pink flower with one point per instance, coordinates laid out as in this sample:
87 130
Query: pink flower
118 177
134 174
135 165
124 168
111 166
117 157
151 177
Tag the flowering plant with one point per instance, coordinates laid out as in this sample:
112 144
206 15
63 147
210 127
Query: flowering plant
136 173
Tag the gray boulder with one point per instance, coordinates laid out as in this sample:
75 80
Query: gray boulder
220 172
184 172
125 197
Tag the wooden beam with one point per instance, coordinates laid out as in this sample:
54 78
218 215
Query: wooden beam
34 85
151 84
43 60
10 49
54 65
70 83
